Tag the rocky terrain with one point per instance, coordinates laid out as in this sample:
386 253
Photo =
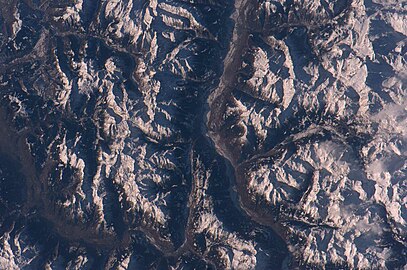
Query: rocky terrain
203 134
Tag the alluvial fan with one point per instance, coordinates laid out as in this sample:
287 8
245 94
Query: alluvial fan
203 134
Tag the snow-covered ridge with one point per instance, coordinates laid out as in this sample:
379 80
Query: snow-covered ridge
196 134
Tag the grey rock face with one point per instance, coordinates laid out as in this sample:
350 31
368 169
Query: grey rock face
203 134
